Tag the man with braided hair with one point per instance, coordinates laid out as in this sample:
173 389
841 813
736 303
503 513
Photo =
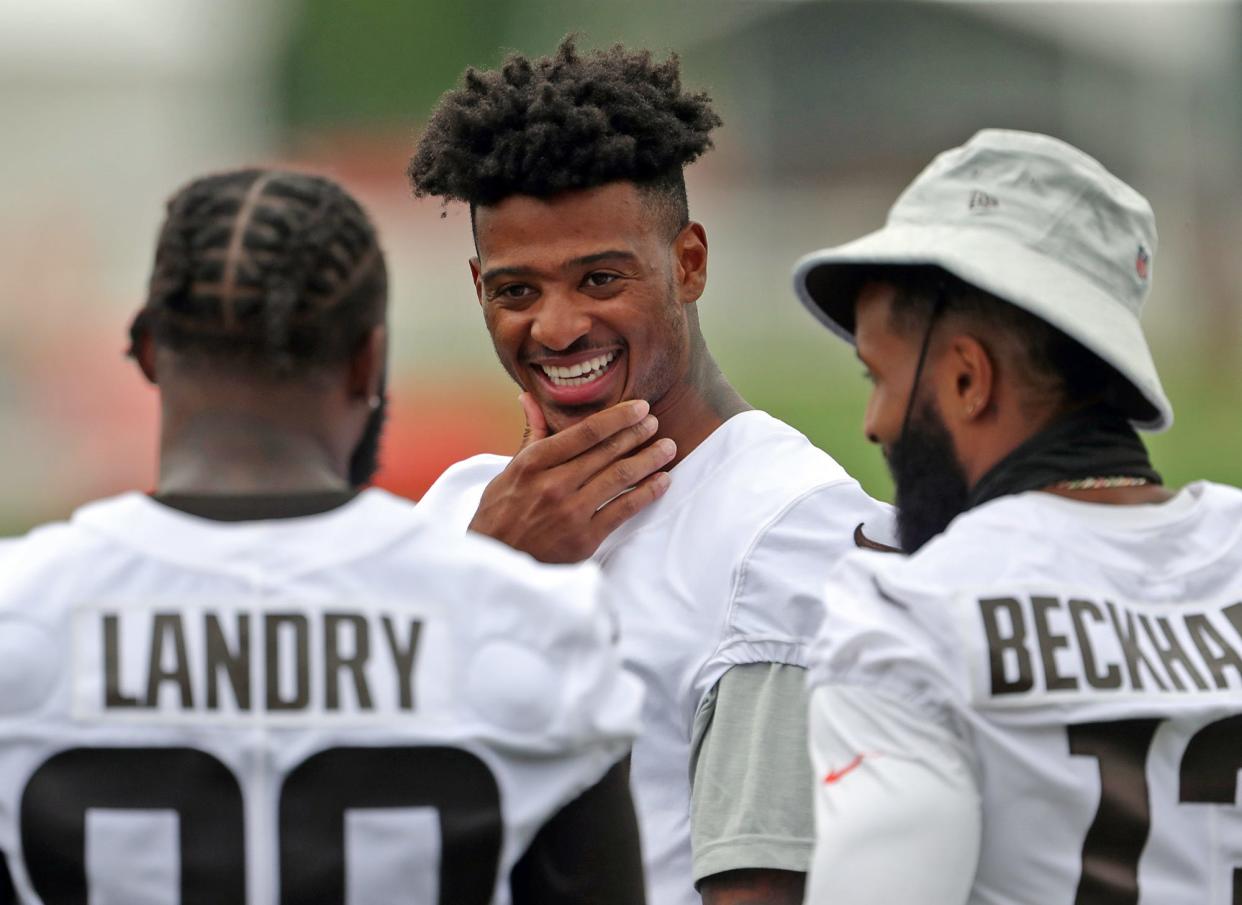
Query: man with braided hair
588 271
265 684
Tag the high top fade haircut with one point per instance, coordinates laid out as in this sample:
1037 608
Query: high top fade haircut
568 121
267 273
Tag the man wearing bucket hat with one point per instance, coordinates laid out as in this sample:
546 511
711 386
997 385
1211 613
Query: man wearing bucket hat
1042 703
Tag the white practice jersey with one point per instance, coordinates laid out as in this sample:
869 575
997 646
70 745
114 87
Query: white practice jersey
347 707
725 569
1083 665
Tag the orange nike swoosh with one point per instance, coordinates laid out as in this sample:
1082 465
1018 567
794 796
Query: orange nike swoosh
836 775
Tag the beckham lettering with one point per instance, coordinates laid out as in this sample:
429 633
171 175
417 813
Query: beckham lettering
1038 643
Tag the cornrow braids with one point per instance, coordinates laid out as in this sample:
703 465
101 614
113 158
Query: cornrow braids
568 121
269 271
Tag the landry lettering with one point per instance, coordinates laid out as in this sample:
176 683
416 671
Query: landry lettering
1042 643
213 661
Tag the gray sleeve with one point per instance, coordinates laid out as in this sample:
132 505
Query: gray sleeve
750 773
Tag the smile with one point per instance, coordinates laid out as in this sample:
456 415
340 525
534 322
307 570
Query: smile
581 373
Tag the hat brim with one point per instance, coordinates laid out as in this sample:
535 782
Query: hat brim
827 281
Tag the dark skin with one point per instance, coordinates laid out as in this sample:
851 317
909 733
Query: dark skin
231 433
753 887
563 281
986 406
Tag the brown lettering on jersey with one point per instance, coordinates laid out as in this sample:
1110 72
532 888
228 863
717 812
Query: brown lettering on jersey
114 698
334 660
1111 677
1128 638
403 659
167 634
272 623
235 663
1049 644
1201 632
999 644
1171 653
1233 613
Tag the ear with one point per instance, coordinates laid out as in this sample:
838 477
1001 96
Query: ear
143 353
476 277
690 262
968 385
367 367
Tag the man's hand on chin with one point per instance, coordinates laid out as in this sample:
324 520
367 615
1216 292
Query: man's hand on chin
563 494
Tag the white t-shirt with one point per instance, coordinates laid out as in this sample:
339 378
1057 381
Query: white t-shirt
1075 669
725 569
353 705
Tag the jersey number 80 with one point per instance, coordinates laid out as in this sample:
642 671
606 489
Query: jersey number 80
313 799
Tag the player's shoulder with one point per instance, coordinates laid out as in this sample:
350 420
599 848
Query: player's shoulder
454 496
39 556
771 453
542 641
1037 535
471 471
764 477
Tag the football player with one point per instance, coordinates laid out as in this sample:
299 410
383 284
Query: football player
588 272
1042 703
263 684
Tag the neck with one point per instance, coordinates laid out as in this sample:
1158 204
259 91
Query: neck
696 406
214 453
994 439
1079 444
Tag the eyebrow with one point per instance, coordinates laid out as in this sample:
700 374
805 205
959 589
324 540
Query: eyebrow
611 254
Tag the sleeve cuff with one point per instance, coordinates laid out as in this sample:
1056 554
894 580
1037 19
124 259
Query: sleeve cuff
752 853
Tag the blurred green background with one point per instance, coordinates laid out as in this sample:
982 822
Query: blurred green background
830 108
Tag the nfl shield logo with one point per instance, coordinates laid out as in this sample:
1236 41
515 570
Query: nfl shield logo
1140 263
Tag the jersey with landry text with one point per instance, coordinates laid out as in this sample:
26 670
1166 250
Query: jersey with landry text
723 570
346 707
1089 657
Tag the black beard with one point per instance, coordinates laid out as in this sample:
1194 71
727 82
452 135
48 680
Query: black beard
364 462
930 486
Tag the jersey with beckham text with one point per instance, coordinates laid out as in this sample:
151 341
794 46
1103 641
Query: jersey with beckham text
723 570
1089 660
350 707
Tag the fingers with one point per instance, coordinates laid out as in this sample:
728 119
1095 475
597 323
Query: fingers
587 433
621 475
626 506
536 425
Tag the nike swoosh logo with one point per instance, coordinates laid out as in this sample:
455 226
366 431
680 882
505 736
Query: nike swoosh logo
837 775
865 543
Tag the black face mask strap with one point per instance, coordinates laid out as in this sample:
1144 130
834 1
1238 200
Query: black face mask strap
938 306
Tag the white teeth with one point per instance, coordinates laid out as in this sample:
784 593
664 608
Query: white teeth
578 374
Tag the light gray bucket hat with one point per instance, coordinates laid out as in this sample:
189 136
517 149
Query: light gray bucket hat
1033 221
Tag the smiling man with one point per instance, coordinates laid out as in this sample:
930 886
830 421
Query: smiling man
588 273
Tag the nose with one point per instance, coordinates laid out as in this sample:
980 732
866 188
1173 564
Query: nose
559 321
871 427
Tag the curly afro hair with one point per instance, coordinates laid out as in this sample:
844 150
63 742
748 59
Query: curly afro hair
569 121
